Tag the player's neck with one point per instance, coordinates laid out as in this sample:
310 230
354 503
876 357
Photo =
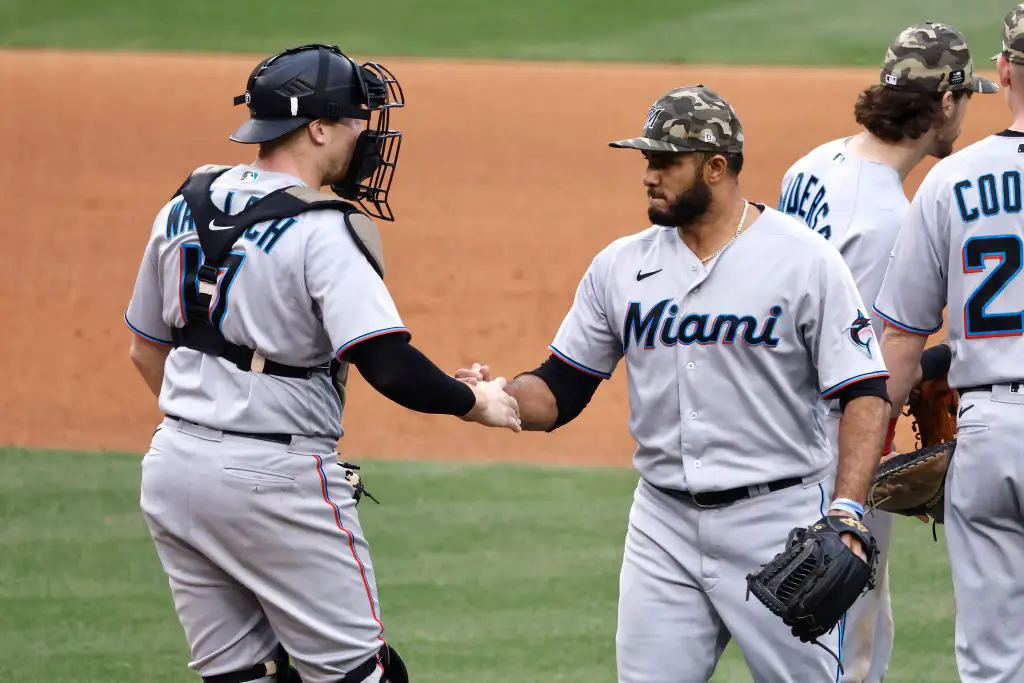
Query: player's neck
901 156
283 163
715 228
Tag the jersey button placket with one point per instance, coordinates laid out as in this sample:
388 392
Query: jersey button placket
689 384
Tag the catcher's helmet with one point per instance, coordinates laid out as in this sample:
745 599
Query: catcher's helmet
314 81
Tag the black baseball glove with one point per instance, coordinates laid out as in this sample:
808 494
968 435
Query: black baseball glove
816 578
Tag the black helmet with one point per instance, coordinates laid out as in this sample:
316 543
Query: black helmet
308 82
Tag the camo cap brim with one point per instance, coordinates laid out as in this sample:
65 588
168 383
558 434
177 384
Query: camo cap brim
932 57
1013 36
692 118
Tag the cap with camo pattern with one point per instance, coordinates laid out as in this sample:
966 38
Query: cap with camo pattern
932 57
692 118
1013 36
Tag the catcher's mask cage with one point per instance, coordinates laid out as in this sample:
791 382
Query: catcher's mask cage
376 92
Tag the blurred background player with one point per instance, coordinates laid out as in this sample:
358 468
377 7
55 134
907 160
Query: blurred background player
850 190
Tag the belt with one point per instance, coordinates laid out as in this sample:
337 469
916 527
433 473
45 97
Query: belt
1015 387
283 439
729 496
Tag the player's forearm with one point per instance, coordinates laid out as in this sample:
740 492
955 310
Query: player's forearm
901 352
861 435
538 408
149 360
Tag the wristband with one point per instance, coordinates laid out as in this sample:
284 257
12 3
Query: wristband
847 505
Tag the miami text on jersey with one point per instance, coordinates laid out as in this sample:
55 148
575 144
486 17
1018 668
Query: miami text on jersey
662 324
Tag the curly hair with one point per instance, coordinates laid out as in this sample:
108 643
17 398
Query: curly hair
896 115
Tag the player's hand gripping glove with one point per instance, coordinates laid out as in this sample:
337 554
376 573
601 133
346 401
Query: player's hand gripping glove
912 483
816 578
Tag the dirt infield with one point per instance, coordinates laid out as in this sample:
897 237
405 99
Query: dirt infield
505 191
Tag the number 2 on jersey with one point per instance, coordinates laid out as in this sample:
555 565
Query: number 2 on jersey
191 258
977 250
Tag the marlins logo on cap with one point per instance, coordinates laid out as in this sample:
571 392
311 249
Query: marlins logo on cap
692 118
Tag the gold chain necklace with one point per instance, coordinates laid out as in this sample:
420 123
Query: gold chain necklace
743 219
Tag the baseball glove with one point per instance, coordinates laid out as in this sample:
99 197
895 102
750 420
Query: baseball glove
816 578
912 483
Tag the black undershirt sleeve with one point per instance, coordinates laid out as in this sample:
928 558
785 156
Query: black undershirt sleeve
873 386
399 371
571 388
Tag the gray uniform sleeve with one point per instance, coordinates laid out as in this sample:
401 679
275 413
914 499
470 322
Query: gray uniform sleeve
913 292
585 339
353 301
145 309
836 328
866 252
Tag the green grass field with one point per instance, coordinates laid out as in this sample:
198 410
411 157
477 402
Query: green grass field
486 573
807 32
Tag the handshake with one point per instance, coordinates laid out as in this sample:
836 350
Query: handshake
494 407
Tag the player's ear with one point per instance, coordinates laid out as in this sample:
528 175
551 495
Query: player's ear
948 105
714 168
317 131
1003 71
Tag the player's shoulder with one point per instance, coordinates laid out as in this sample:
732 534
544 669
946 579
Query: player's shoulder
952 168
634 245
824 153
790 233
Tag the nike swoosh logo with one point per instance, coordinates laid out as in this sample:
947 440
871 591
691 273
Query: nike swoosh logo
640 276
964 410
214 226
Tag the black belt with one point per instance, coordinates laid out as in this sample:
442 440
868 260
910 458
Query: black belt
283 439
719 498
1015 387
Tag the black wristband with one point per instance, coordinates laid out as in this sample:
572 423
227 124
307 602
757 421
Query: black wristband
935 362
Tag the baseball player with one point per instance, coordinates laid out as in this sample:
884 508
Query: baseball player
850 190
735 321
960 249
254 295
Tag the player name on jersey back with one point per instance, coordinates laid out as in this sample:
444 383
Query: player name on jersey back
962 248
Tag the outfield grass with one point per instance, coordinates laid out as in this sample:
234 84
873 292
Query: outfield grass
487 573
726 31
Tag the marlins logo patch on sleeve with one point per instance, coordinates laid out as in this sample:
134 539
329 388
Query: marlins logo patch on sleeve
861 333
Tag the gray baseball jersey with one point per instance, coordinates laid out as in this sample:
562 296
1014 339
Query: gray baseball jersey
725 362
961 247
298 289
855 204
858 206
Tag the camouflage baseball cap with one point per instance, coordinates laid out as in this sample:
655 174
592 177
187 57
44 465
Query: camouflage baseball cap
689 119
1013 36
932 57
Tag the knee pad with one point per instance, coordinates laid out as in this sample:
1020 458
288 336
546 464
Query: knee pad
277 667
394 667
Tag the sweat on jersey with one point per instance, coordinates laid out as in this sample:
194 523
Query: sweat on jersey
297 289
961 247
726 362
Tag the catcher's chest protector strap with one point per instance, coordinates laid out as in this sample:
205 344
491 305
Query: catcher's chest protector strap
218 232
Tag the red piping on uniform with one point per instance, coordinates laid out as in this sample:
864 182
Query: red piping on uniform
351 540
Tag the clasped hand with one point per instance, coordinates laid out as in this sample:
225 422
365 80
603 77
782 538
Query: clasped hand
494 407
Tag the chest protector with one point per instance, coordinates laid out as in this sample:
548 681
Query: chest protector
200 332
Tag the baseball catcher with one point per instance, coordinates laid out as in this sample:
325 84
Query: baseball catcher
816 578
913 483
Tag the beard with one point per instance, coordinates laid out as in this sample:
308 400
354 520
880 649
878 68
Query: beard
943 148
686 209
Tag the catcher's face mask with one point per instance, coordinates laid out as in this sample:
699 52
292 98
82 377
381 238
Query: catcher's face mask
318 81
371 169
